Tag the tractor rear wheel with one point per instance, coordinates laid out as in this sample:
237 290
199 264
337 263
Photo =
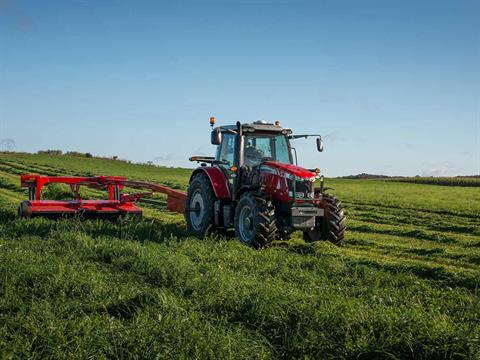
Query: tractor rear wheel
200 205
331 226
255 222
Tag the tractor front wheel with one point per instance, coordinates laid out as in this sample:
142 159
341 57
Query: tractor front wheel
255 223
200 204
331 226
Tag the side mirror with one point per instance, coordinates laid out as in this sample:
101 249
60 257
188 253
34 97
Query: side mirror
216 137
319 144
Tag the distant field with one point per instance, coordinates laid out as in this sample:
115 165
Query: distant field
405 285
445 181
473 181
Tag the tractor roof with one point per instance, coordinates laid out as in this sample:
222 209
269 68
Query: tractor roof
260 126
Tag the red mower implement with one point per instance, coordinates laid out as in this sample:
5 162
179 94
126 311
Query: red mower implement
117 204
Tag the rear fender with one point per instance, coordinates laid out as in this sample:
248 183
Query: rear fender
217 179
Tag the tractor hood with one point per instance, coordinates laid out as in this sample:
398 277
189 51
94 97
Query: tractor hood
290 169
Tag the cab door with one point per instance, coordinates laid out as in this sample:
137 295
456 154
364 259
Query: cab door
225 155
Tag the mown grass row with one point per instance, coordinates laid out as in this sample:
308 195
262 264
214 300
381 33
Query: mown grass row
417 219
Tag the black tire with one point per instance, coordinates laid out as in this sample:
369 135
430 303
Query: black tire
255 222
200 196
332 226
23 210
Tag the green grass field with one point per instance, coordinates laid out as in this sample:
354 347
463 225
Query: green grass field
405 285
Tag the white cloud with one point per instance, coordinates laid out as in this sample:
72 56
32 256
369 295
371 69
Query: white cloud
7 144
167 157
439 169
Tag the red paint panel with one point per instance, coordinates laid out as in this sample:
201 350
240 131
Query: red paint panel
51 207
218 180
276 186
292 169
177 203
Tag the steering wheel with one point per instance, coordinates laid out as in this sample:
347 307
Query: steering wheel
259 154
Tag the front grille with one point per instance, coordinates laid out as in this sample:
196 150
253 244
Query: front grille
302 186
303 189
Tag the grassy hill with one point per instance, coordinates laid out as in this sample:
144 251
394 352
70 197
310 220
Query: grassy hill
406 284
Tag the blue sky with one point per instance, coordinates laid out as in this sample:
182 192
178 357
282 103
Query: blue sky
394 86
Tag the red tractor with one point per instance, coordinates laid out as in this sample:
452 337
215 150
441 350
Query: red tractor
254 186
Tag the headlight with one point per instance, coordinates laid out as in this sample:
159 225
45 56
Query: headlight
296 178
303 189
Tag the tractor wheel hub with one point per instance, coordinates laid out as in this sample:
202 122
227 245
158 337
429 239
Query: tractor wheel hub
197 203
246 224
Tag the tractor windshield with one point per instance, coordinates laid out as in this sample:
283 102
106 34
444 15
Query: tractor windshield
260 148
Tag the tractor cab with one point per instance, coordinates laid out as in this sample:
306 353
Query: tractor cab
259 142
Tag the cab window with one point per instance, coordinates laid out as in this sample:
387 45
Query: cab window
260 148
282 152
226 151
